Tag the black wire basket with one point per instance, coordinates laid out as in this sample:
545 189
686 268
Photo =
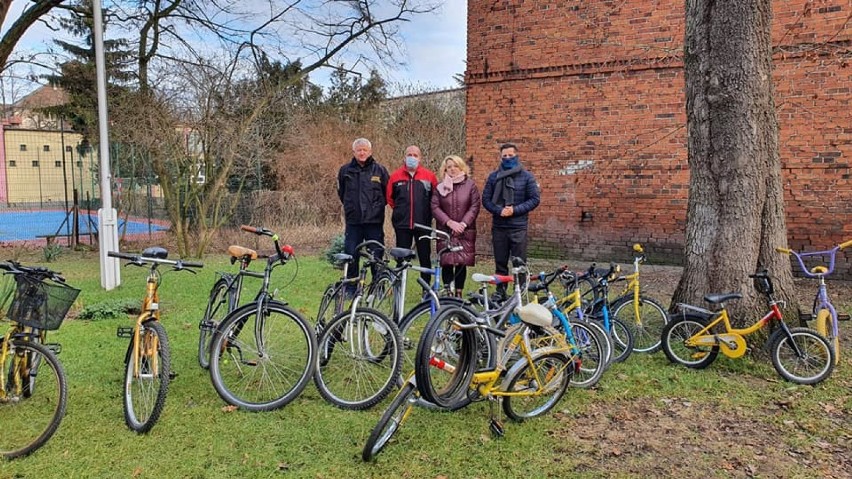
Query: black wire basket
40 304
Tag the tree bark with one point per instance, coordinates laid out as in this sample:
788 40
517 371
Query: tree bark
735 216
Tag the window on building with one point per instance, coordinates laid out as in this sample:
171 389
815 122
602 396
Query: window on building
13 163
35 163
58 163
23 147
46 147
79 164
68 149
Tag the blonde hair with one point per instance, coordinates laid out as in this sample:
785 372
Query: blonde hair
458 161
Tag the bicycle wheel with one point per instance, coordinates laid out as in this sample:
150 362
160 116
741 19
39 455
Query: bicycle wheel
29 420
330 306
445 360
813 362
645 320
673 342
146 378
354 376
392 419
826 325
412 325
592 361
622 340
535 388
262 363
219 304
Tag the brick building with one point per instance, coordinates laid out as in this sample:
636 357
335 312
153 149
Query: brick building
593 93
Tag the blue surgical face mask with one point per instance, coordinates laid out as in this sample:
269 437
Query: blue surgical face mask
509 163
411 162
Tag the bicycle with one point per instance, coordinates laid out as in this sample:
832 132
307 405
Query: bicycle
263 353
40 299
823 311
147 362
224 298
361 349
532 385
645 316
693 338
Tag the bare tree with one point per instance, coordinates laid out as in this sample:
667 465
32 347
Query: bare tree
29 16
735 216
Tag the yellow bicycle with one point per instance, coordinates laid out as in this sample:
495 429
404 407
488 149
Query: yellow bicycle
644 316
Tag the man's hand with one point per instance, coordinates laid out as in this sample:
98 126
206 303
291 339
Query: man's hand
507 211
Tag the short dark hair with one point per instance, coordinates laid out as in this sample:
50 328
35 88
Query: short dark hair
506 146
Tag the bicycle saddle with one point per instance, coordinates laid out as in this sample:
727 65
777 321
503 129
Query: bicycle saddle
342 258
402 254
156 252
239 251
721 298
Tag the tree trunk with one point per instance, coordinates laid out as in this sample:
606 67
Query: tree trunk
735 216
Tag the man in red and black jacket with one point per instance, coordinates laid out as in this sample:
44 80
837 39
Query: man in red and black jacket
409 194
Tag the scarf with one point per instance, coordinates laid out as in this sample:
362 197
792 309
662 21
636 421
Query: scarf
446 187
504 187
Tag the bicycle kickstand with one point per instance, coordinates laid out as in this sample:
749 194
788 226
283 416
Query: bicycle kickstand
494 423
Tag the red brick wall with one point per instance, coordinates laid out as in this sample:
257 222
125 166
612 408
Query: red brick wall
593 94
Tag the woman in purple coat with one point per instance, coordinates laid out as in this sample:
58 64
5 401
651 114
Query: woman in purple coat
455 207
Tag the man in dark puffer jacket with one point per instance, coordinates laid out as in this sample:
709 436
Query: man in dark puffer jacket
361 186
510 193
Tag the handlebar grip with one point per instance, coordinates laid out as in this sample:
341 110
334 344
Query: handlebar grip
422 227
252 229
846 244
787 250
117 254
192 264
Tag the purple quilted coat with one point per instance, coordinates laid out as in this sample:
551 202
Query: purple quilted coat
462 205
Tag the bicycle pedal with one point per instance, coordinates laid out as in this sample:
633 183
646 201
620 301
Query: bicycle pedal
843 317
805 317
497 429
172 375
123 332
207 326
54 348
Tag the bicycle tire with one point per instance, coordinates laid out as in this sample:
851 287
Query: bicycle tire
817 363
557 368
380 295
353 376
647 328
392 419
622 340
590 342
444 365
243 377
220 302
826 325
678 330
145 395
28 423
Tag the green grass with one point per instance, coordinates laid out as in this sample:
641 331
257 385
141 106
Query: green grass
198 437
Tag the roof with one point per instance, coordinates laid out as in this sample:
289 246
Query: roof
42 97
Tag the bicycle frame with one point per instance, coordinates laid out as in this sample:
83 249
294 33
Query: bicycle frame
150 312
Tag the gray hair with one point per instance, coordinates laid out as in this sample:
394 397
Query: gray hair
361 141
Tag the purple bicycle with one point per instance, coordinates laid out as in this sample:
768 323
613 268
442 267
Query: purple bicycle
823 311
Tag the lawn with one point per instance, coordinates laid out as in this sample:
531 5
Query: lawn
646 418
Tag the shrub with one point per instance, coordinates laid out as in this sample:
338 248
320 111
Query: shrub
109 309
335 247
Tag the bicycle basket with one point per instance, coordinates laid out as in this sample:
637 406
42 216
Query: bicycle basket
41 304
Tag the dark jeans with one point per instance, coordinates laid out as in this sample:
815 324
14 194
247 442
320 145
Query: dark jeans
506 243
355 235
405 237
455 275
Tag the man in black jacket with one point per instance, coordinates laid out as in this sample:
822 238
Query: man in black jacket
361 186
510 193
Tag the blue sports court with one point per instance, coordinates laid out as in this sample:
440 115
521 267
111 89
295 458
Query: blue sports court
35 225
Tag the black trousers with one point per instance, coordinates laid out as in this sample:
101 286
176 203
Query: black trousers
455 275
357 234
507 243
405 237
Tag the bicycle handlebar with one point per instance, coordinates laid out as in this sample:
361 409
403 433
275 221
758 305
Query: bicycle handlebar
139 260
283 253
13 267
832 253
433 232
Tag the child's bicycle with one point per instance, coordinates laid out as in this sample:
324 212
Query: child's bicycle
823 311
40 300
147 363
645 316
695 336
224 297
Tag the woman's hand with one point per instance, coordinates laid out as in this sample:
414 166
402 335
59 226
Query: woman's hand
457 227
